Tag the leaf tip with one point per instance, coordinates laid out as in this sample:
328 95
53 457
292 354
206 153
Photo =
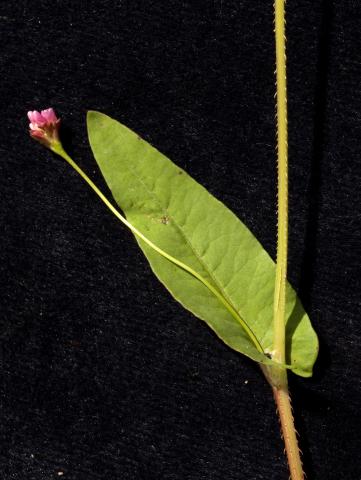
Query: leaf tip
93 114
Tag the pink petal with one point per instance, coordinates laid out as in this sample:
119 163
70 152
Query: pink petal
31 116
37 118
49 115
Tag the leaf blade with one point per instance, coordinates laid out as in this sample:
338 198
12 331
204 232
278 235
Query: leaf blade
184 219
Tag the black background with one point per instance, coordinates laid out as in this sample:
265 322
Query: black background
104 376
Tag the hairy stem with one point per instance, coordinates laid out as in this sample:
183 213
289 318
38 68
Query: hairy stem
283 403
278 375
282 149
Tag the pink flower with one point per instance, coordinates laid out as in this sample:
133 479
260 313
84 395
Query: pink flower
44 126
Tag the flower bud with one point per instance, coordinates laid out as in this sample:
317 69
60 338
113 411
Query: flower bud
44 127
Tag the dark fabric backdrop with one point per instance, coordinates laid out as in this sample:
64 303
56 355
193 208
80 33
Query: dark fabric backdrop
103 375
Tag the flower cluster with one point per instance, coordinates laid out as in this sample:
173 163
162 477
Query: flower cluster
44 127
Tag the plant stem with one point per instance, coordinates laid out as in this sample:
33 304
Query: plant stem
282 149
278 375
283 403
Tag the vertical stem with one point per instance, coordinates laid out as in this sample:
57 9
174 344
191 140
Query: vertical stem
283 403
278 376
282 149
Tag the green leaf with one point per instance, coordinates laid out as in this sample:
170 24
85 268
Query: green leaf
185 220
